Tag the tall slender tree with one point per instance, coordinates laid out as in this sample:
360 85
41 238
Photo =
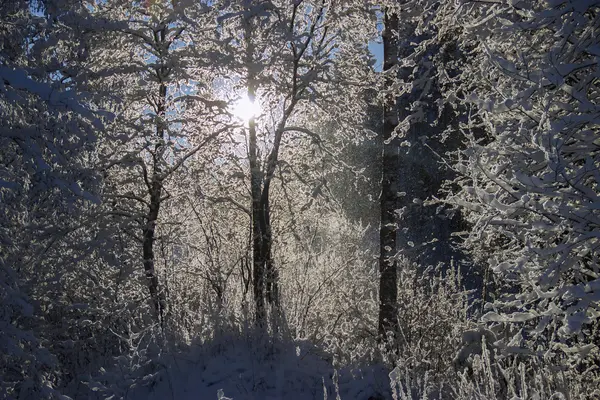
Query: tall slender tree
388 290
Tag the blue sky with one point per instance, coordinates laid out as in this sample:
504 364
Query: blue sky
376 48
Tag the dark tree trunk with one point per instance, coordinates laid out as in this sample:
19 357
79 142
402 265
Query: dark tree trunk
271 280
258 251
261 233
264 274
148 251
265 277
388 291
155 185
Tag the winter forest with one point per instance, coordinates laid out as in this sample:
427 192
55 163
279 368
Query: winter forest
299 199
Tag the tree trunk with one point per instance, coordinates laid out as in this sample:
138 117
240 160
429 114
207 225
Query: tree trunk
264 274
264 277
155 191
148 251
388 291
272 291
259 237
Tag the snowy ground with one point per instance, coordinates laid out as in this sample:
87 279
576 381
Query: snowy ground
238 369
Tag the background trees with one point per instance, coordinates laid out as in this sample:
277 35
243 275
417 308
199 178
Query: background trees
291 66
162 116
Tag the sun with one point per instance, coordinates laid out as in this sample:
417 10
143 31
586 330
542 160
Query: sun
245 109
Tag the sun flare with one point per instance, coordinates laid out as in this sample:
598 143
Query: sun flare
245 109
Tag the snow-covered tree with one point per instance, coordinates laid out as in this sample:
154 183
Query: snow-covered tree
529 173
48 183
293 58
166 110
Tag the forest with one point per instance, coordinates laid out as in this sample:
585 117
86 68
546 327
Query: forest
300 199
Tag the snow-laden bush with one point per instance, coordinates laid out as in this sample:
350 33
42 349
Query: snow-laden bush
48 135
494 375
329 286
433 312
483 372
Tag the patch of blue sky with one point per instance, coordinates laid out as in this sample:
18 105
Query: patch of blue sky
376 45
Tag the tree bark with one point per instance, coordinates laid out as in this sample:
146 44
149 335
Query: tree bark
388 291
262 263
155 186
265 277
271 278
148 251
258 235
264 273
